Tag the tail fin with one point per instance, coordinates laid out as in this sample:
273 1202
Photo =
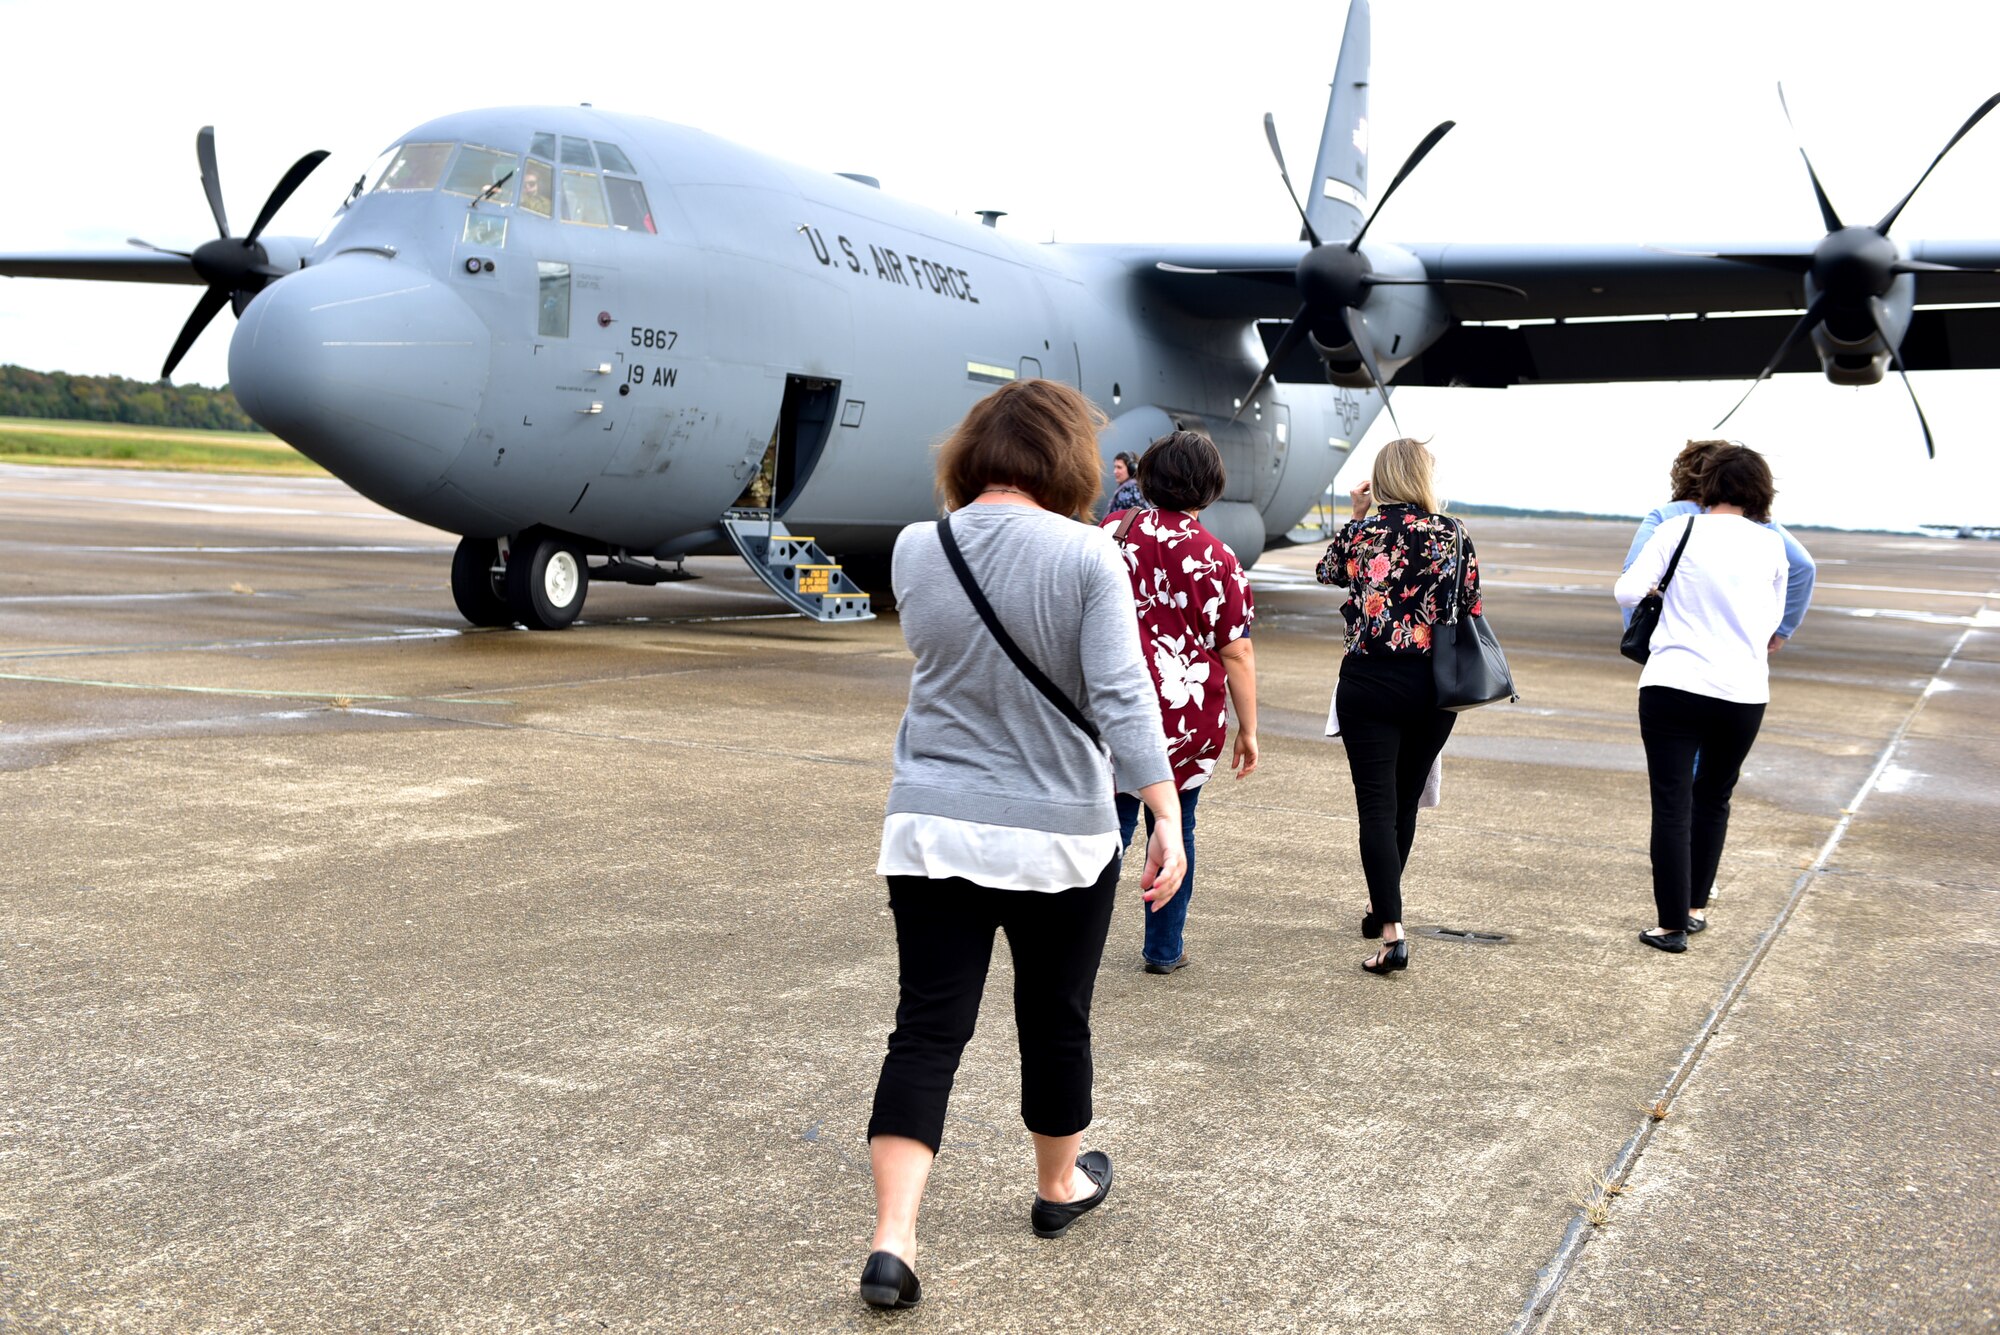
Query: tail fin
1337 202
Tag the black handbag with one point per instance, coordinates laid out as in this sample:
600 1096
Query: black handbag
1637 643
1466 660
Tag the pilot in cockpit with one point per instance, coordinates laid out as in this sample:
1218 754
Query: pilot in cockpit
535 196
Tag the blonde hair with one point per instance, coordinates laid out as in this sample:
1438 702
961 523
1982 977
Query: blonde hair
1402 475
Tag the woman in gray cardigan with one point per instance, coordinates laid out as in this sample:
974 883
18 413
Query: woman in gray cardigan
1001 813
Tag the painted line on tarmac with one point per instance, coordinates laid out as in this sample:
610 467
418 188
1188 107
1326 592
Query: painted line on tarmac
224 646
248 692
1541 1304
206 507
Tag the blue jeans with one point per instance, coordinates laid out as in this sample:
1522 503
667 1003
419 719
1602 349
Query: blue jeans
1163 929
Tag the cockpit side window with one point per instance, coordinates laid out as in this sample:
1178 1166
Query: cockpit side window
576 153
478 169
553 320
543 146
628 205
582 199
416 167
538 188
613 160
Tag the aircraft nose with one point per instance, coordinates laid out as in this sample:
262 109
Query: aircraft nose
372 368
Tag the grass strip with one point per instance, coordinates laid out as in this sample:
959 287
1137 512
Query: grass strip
110 446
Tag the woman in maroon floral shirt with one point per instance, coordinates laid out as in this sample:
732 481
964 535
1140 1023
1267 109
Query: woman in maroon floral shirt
1400 574
1195 608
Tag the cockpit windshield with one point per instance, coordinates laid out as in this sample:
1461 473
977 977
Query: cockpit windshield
595 184
478 170
415 167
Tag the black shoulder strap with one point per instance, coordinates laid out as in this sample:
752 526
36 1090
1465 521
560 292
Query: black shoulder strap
1675 563
1457 568
985 609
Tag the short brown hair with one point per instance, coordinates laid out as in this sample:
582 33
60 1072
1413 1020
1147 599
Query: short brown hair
1182 470
1685 471
1738 475
1038 435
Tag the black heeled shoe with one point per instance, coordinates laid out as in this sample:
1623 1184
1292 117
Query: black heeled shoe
1051 1219
1393 956
1371 926
887 1282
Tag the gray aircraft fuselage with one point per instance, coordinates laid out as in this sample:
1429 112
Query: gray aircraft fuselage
417 356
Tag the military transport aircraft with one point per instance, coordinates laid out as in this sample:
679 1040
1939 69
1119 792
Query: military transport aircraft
594 344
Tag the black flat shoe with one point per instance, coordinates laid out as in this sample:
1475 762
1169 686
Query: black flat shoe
1393 956
1180 963
1371 926
1697 924
887 1282
1674 943
1051 1219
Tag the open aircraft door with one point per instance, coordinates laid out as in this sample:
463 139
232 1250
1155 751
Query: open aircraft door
792 564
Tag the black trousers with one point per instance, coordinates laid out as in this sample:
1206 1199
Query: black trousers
1690 804
1393 730
944 942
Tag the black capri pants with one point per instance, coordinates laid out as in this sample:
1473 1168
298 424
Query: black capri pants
944 943
1393 731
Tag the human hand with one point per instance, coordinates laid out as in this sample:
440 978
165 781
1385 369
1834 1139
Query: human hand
1361 497
1244 758
1165 864
1777 643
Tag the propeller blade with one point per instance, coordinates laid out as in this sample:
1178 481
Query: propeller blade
1271 133
1925 266
211 179
1787 262
292 180
1826 213
1890 216
210 305
1376 280
1881 314
161 250
1287 342
1806 321
1409 165
1358 336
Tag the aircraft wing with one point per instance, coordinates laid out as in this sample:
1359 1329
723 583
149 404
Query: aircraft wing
118 266
1641 312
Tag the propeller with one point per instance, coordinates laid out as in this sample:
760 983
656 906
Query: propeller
1335 281
235 268
1850 272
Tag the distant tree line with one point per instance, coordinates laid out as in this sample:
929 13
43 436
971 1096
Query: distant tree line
111 398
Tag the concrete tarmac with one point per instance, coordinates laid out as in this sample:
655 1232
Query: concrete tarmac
361 972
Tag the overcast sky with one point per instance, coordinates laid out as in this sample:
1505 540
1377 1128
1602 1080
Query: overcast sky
1585 121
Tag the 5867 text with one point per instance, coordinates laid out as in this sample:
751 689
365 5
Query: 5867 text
654 338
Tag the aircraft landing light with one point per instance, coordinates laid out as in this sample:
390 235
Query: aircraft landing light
988 374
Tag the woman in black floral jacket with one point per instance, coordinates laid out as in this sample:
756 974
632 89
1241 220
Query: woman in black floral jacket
1400 572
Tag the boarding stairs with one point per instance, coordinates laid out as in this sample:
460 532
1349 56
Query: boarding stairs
795 568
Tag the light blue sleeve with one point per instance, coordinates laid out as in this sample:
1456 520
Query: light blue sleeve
1654 518
1798 583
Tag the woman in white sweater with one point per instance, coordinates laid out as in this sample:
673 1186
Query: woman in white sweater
1704 688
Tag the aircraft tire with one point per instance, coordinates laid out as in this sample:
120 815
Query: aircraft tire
547 580
473 587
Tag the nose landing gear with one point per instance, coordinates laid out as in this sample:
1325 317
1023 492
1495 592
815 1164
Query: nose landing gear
542 583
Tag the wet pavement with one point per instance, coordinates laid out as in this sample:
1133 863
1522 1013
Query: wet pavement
359 971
